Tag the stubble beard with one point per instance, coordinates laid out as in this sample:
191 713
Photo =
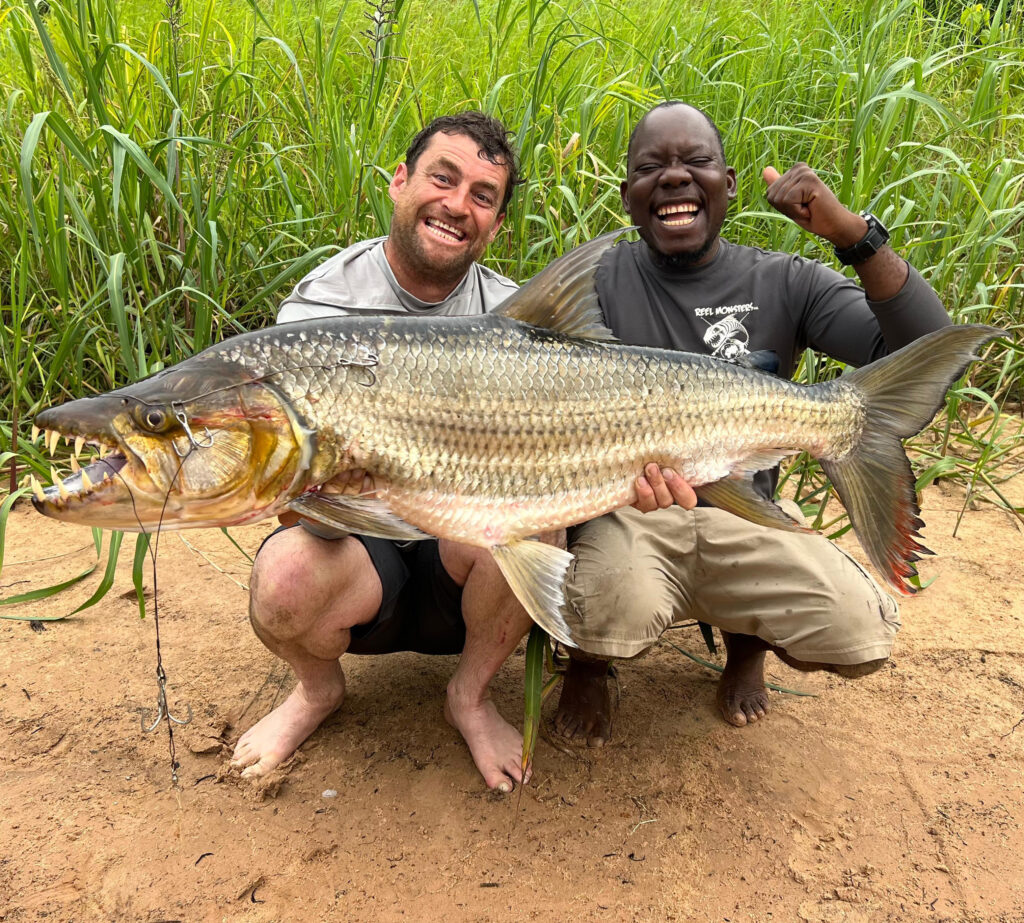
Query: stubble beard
410 250
681 261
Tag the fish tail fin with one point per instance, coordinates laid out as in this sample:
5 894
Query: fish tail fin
901 392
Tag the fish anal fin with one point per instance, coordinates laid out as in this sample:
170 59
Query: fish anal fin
562 297
536 573
362 515
741 499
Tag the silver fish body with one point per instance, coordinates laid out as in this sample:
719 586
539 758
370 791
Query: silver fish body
487 430
490 430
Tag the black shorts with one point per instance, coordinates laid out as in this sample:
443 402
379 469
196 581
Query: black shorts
421 609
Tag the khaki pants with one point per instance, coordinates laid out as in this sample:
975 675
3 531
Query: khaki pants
637 573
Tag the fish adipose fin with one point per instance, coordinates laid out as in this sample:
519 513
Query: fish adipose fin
362 515
562 296
739 498
901 393
536 573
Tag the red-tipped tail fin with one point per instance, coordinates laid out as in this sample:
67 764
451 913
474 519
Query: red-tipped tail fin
901 393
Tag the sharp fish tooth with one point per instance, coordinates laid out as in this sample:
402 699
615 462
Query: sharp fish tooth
35 433
52 438
86 483
74 464
37 489
62 490
54 477
79 445
106 476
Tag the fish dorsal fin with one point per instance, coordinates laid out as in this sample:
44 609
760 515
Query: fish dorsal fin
562 296
761 360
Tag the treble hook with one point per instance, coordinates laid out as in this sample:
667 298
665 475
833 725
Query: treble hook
182 418
162 711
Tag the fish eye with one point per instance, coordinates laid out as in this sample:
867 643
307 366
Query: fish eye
155 419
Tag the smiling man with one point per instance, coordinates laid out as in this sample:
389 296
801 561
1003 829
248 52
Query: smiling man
682 286
315 597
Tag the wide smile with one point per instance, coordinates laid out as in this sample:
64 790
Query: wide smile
444 231
102 464
678 214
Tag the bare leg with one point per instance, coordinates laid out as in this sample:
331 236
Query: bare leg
495 624
584 707
742 697
307 593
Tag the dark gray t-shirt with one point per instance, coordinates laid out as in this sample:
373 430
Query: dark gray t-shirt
747 299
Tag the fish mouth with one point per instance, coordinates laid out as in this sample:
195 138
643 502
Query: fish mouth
444 231
103 463
678 214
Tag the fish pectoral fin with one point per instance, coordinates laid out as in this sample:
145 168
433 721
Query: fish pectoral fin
362 515
536 574
739 498
562 296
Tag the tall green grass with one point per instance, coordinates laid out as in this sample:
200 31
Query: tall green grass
168 171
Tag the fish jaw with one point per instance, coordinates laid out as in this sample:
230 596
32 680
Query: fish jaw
189 447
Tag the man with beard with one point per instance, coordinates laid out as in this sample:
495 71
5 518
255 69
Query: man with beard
317 596
683 287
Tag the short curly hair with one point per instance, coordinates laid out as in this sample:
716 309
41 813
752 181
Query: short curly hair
488 132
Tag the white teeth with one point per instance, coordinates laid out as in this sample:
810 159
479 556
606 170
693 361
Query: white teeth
35 433
37 489
62 490
436 225
86 483
52 438
54 477
79 445
106 476
681 209
74 464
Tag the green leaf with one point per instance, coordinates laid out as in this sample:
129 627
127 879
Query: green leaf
141 547
534 691
108 574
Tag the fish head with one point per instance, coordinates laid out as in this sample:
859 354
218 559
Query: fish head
197 444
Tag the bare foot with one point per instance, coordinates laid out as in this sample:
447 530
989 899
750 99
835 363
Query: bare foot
742 697
278 735
584 706
496 746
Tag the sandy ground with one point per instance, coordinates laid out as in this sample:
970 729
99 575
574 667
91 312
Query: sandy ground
896 797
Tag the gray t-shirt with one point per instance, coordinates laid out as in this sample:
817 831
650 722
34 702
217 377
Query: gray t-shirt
749 299
360 281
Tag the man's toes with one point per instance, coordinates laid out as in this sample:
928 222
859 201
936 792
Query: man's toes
243 756
595 741
734 715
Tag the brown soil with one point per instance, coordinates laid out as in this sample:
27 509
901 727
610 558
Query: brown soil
896 797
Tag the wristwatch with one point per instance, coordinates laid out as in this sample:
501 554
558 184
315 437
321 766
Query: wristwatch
867 246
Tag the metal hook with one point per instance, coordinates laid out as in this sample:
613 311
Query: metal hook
182 418
162 711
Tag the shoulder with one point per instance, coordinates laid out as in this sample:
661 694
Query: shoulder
785 267
349 280
494 281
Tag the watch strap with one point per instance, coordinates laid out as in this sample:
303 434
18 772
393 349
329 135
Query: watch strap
876 237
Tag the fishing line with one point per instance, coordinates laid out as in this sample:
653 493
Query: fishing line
162 709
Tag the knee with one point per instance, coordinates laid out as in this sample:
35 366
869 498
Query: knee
620 593
279 581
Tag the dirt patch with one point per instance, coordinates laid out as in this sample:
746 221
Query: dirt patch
896 797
